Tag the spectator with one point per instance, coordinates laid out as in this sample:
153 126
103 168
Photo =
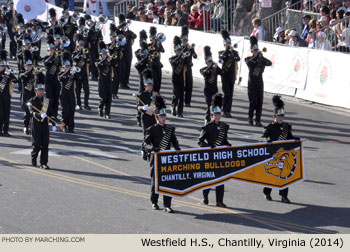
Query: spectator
218 15
311 38
180 21
155 17
143 16
161 16
325 12
331 36
287 37
192 18
306 28
279 36
312 24
168 12
149 15
295 40
132 13
258 31
346 4
178 4
322 42
184 10
344 38
203 17
308 6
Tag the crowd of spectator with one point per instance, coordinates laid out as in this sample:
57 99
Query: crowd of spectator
196 14
331 31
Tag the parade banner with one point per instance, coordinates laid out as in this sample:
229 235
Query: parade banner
327 80
276 165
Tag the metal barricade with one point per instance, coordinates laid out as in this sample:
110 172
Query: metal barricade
218 16
121 7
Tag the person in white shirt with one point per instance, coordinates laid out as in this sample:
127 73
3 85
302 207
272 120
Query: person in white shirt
322 42
258 31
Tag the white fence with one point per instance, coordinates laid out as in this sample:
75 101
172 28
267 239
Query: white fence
309 74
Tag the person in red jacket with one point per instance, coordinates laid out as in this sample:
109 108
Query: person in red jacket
204 14
192 18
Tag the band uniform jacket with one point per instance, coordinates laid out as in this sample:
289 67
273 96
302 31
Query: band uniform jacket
104 81
154 136
210 75
147 119
213 135
229 57
278 132
39 126
28 82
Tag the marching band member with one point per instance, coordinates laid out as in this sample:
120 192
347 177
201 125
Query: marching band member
256 64
40 127
104 81
52 64
155 48
28 82
278 130
159 137
81 58
177 63
94 36
210 74
130 37
144 102
214 134
67 79
229 58
6 88
142 56
190 53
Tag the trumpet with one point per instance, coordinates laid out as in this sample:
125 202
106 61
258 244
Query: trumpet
38 69
65 41
75 70
186 54
160 37
85 50
4 9
63 21
76 16
120 41
58 53
34 49
29 30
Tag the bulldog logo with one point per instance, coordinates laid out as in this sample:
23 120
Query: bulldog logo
283 164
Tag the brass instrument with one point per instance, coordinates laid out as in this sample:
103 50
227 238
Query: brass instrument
29 30
85 50
65 41
74 70
34 49
38 69
76 16
58 53
160 37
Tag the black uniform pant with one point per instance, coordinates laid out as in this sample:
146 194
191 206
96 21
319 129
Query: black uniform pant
157 78
283 193
219 190
40 142
228 82
178 93
13 44
68 110
115 80
256 97
208 93
83 83
141 84
3 41
26 116
53 89
155 196
93 69
188 85
128 60
106 103
5 107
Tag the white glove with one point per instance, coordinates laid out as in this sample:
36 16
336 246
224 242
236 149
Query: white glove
29 104
43 116
145 108
53 128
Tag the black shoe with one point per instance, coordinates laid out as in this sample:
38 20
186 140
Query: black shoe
34 162
180 115
26 130
225 115
187 105
250 121
221 204
268 197
205 200
45 167
87 107
107 116
173 111
229 115
100 112
71 131
124 86
168 210
258 124
155 207
285 200
6 134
